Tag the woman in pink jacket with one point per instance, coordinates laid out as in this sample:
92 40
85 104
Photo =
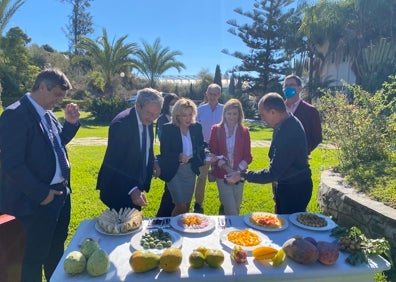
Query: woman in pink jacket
230 142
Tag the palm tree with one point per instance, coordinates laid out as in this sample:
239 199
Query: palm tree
6 13
153 61
110 59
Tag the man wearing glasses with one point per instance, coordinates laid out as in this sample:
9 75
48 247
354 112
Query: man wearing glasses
128 164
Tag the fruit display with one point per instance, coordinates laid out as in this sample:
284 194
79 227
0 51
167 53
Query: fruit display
90 257
170 259
245 238
264 252
301 250
74 263
89 246
307 250
266 220
98 263
143 261
359 247
269 255
212 257
123 221
238 254
310 219
196 259
156 239
193 221
328 252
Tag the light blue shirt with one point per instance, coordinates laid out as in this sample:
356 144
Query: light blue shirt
58 178
207 118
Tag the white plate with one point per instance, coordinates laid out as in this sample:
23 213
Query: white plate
265 241
330 224
177 241
246 219
100 230
175 223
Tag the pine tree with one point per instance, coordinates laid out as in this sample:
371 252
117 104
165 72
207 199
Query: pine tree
231 87
217 76
267 37
80 23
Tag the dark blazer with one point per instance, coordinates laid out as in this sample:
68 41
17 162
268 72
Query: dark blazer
121 169
27 158
171 146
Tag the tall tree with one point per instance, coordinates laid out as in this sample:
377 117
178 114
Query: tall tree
16 72
267 36
340 31
231 87
80 23
153 60
109 58
217 76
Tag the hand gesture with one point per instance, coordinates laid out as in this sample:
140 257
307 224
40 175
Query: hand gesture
72 113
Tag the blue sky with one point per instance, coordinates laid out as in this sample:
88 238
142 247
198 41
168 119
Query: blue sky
197 28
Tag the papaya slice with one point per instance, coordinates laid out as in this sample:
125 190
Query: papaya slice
264 253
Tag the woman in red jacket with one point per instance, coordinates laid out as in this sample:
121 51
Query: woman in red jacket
230 142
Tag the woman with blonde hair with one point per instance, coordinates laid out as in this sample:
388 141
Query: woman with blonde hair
230 142
182 153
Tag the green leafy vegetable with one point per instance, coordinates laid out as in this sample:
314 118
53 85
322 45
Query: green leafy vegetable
360 247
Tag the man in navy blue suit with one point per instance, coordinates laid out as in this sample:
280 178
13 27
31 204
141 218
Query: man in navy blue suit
128 166
35 171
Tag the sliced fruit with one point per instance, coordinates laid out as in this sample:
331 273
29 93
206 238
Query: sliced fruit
279 258
264 253
238 254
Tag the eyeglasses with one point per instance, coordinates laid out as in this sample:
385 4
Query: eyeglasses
147 114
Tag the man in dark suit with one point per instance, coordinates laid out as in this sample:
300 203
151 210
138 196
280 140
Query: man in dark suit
304 111
128 166
35 171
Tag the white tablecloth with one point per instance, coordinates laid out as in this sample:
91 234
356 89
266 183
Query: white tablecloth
119 250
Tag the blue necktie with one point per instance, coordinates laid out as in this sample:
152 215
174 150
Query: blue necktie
144 152
65 170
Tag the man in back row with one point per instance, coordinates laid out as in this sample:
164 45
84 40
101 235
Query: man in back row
209 114
305 112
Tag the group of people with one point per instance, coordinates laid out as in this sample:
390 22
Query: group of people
35 171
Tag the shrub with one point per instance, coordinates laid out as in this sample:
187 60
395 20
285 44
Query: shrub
363 129
105 109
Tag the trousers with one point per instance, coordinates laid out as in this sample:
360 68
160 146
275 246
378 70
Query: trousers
201 183
46 231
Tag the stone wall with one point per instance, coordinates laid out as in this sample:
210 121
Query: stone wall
349 208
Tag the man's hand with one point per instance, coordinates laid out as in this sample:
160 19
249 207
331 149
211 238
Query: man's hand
156 170
138 198
72 113
183 158
233 177
51 195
